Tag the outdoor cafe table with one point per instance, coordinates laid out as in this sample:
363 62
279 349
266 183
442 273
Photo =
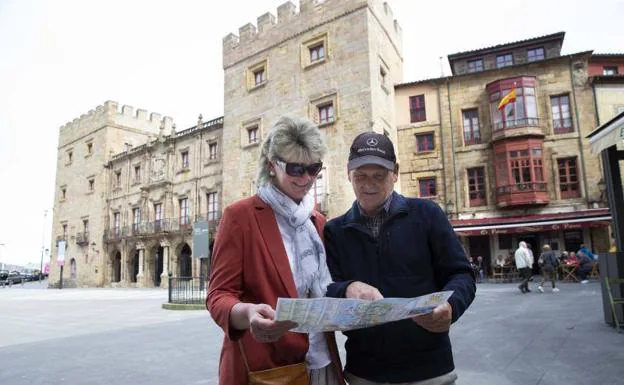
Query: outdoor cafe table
568 272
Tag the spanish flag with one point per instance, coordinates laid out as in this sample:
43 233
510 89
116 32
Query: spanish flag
509 98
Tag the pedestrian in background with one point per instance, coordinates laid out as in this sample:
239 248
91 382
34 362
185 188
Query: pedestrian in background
548 263
523 264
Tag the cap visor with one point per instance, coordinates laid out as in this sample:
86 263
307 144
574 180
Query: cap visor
370 159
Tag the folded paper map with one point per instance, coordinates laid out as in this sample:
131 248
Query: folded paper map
331 314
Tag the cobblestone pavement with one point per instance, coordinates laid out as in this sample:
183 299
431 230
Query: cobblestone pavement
122 336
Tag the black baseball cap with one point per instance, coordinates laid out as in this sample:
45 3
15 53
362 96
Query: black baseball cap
371 148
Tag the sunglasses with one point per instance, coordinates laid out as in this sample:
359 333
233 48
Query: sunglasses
298 169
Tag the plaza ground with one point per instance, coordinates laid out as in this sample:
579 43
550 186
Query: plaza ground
123 336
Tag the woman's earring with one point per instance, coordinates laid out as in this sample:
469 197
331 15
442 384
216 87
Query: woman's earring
271 173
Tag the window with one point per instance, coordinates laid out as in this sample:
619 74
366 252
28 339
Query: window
91 185
213 206
158 216
504 60
476 186
85 225
535 54
116 223
185 159
417 108
137 174
64 231
184 212
70 156
427 187
63 193
562 120
568 178
212 151
326 113
520 168
382 75
136 219
258 76
317 52
519 113
424 142
609 70
117 178
472 134
319 189
475 65
89 148
252 134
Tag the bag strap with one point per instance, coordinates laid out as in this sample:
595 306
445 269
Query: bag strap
240 346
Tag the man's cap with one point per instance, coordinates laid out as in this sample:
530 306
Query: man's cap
371 148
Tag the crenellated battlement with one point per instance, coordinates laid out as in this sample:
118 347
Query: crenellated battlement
110 114
270 31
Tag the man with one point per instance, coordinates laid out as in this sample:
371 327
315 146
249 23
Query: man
523 264
583 249
387 245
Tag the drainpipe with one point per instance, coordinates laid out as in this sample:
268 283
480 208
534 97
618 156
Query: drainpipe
442 147
578 124
448 95
597 123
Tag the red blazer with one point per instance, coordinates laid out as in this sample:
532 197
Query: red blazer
250 264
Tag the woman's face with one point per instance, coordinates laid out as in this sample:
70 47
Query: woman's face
293 177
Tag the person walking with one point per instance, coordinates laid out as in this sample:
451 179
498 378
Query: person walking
548 263
523 264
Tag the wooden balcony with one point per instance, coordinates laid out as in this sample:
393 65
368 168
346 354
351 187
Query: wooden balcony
522 194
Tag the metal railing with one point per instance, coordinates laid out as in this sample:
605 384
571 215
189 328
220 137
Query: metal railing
156 227
522 187
82 238
516 123
188 290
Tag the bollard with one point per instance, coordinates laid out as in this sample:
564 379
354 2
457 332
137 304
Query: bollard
61 280
170 288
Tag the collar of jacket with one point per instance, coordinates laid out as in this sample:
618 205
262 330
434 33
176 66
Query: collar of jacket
398 205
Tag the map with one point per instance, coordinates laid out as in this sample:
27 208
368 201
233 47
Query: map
331 314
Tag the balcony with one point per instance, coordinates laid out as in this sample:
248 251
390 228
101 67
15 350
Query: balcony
517 127
82 238
112 235
522 194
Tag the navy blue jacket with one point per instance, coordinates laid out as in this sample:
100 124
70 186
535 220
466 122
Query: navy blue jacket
416 253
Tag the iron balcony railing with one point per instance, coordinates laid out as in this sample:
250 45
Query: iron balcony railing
187 290
82 238
517 123
522 187
157 227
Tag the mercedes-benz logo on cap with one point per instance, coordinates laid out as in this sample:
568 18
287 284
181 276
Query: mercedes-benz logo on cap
372 142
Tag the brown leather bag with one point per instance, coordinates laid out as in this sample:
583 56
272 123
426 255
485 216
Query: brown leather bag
295 374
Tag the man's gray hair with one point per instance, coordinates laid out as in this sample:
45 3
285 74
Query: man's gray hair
292 139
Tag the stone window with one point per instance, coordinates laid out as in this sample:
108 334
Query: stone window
472 133
185 214
213 206
326 113
257 75
314 51
535 54
425 142
427 187
63 192
136 219
70 157
505 60
137 173
158 216
562 119
252 134
117 180
568 178
323 110
116 223
89 148
184 158
476 186
212 151
91 184
417 108
475 65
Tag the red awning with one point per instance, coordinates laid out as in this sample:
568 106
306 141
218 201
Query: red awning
533 223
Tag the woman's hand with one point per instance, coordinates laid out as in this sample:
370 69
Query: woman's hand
263 326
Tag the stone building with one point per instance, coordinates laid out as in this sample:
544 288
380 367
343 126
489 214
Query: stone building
522 172
334 62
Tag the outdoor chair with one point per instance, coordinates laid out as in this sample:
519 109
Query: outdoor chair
615 300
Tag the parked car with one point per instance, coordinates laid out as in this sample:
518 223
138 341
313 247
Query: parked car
14 277
4 274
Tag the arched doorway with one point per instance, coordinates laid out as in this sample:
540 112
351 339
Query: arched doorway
157 264
117 268
133 266
184 262
72 265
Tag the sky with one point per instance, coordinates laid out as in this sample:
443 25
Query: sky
59 59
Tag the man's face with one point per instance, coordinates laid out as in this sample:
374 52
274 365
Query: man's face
372 184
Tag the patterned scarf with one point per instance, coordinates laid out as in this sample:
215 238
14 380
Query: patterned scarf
308 263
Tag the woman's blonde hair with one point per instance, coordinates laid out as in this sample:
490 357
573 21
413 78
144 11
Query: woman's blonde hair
291 139
546 247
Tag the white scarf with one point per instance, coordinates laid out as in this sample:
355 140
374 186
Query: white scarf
309 267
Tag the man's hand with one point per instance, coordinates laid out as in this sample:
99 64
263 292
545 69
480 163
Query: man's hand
360 290
438 321
263 326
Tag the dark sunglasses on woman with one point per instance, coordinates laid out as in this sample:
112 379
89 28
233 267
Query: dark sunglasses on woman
298 169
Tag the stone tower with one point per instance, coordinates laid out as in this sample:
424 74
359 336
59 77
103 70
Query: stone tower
82 187
333 61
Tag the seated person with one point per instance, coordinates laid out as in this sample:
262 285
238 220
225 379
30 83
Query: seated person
481 268
586 251
572 259
586 265
500 261
564 257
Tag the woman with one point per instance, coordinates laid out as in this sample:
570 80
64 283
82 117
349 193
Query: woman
548 263
268 246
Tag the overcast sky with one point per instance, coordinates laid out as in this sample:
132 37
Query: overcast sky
59 59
